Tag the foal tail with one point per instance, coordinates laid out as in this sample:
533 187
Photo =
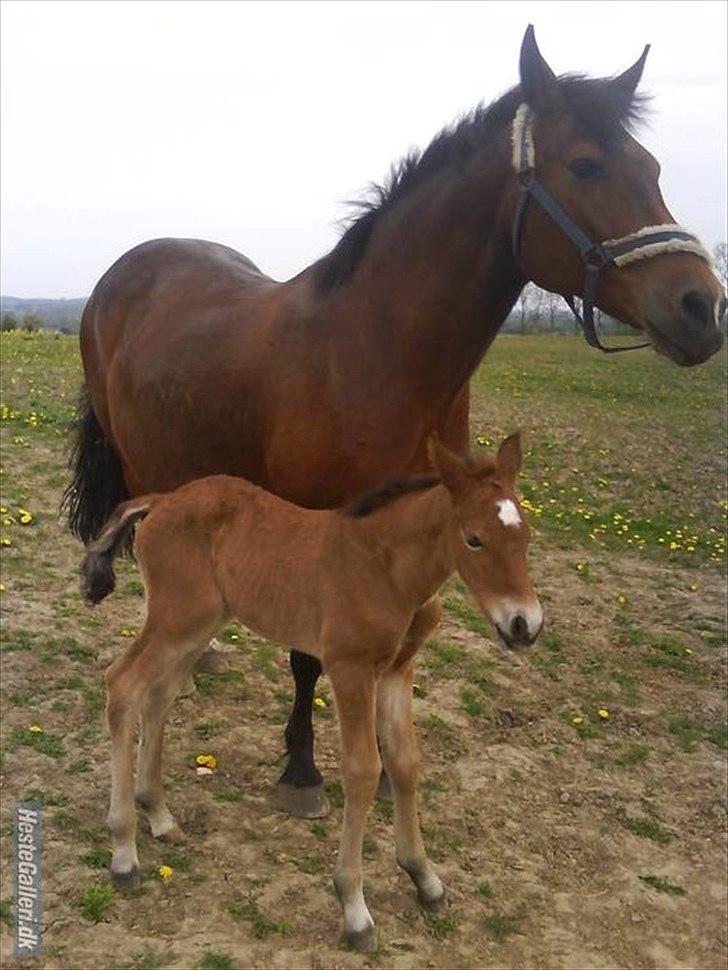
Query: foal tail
97 568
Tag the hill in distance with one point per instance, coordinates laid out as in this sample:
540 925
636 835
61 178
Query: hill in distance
54 314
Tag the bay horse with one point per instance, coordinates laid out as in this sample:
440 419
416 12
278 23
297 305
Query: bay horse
197 363
357 589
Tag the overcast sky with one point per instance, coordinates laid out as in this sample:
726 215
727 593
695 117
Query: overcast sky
251 123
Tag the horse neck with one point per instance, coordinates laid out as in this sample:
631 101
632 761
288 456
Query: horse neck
438 278
415 536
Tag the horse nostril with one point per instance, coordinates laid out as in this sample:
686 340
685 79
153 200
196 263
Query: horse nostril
698 305
519 628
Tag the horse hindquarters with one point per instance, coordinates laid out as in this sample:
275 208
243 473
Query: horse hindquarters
97 485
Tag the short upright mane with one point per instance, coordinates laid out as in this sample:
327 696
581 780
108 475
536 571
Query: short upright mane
387 492
600 107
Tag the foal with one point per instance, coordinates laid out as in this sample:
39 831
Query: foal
350 587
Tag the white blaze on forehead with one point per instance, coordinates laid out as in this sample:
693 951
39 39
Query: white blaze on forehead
508 512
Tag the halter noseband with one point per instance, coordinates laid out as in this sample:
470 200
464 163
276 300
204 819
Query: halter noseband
646 242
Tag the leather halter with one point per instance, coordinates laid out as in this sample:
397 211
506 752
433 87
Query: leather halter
643 244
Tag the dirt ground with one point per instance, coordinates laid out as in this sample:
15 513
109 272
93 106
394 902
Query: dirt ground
566 839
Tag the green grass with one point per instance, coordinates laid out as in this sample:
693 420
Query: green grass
40 741
663 885
248 910
648 828
440 926
633 754
485 890
214 960
499 926
6 912
96 900
98 858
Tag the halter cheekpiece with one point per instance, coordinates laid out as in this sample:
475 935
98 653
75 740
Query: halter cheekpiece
646 242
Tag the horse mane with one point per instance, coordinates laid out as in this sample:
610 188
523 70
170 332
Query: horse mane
387 492
601 108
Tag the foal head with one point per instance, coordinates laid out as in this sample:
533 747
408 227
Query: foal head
583 155
491 538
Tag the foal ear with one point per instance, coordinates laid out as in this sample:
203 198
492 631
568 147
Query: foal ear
538 82
628 81
509 457
450 468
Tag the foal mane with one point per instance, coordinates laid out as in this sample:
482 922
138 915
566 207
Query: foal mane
601 109
387 492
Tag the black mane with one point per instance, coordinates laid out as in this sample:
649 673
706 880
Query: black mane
387 492
601 108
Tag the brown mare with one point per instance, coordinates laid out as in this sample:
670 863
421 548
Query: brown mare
355 588
197 363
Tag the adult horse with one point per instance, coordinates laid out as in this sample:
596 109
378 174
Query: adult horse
197 363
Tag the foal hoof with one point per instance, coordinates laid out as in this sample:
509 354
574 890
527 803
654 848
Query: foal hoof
384 789
363 941
126 882
308 802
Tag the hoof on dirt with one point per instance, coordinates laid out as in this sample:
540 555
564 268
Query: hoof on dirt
363 941
212 661
126 882
429 900
384 789
173 836
308 802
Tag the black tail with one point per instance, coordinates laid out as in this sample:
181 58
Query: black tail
97 484
97 568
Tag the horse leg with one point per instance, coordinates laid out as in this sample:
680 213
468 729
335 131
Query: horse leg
300 789
149 791
402 762
423 623
355 693
122 709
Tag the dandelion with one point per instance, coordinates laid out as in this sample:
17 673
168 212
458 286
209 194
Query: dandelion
577 720
688 651
36 729
26 517
603 713
207 761
319 703
128 631
165 873
5 542
694 587
621 600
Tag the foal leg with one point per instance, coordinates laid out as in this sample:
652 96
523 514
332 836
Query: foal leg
355 693
149 792
402 762
300 789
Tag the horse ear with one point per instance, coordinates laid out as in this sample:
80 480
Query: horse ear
538 82
510 457
450 468
628 81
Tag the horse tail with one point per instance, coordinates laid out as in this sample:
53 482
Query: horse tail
97 568
97 482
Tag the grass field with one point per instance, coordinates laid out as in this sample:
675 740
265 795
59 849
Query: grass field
573 797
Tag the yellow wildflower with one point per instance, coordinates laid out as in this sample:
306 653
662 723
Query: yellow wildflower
577 720
128 631
26 517
206 760
319 702
694 587
621 600
165 872
36 729
603 713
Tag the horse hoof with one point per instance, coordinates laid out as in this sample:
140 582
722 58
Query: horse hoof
363 941
308 802
173 836
126 882
432 896
212 661
384 790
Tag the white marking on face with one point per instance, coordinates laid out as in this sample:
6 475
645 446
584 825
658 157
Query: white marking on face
507 512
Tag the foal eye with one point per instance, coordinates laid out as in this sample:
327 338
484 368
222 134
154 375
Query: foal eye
587 168
472 541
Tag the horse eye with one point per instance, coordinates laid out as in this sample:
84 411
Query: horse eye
472 541
587 168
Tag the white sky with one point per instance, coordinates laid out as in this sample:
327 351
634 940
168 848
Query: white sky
250 123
